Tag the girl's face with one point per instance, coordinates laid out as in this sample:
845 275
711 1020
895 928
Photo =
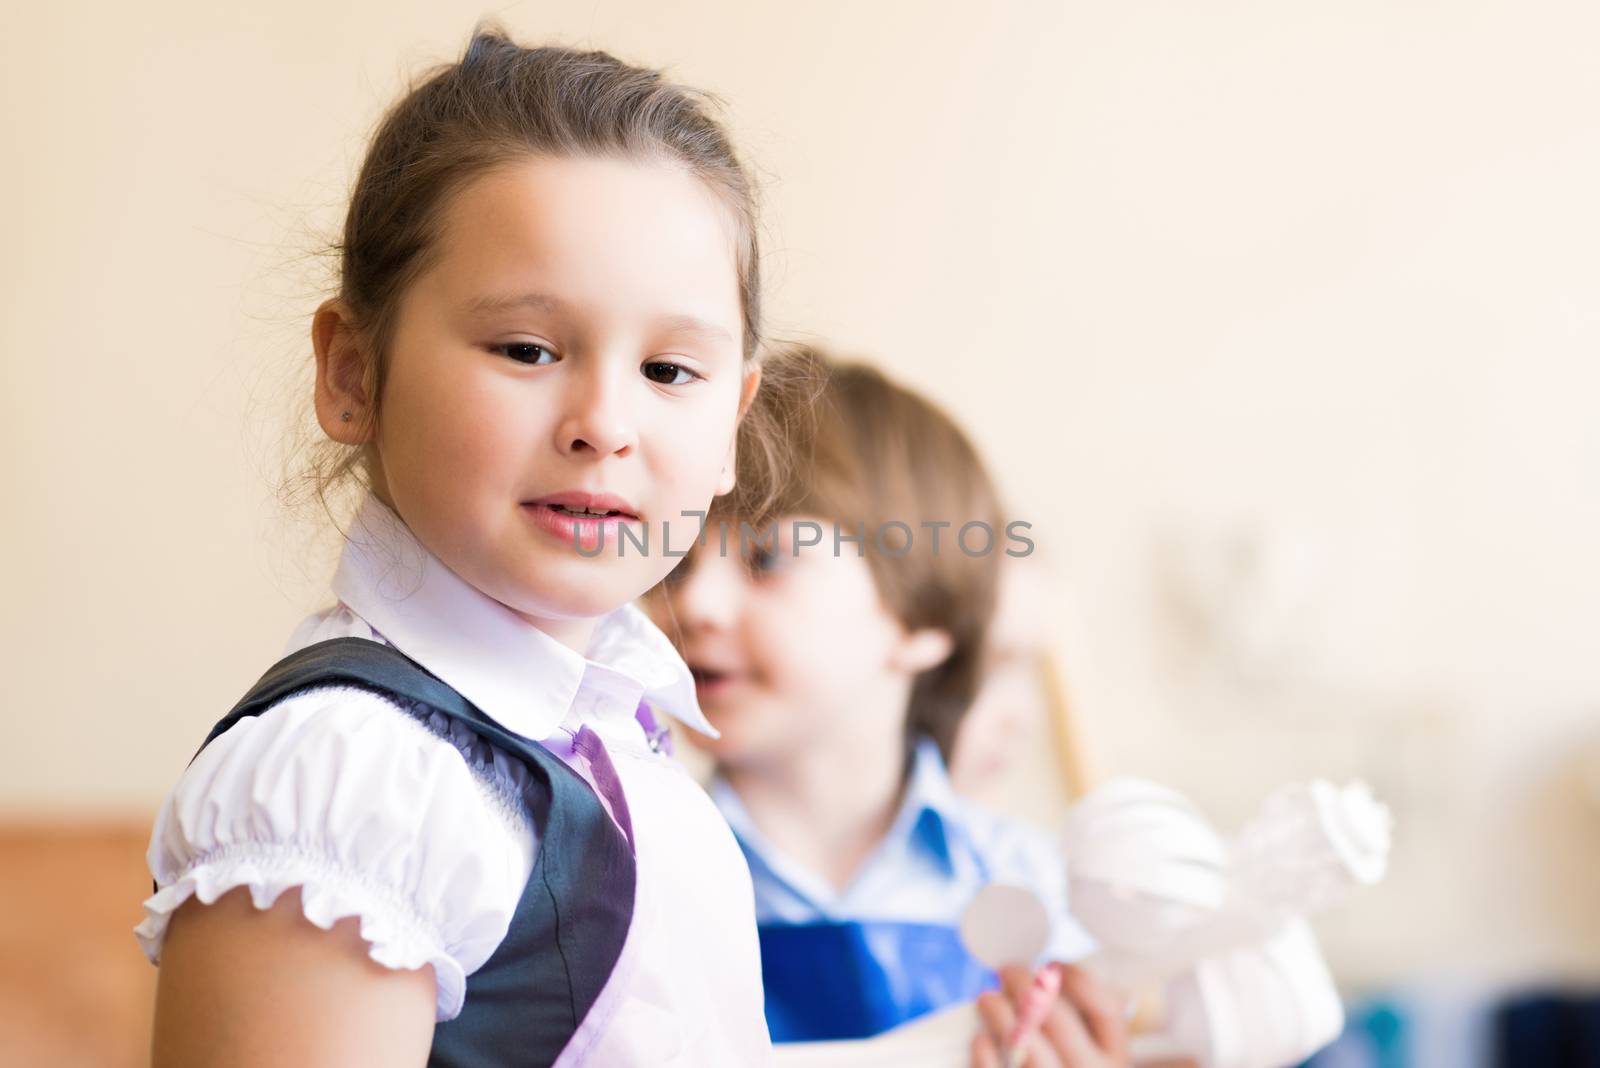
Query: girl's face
575 346
789 652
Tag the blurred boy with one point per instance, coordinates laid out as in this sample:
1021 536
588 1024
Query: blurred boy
836 640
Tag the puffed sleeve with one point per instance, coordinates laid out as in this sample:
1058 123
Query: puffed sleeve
372 811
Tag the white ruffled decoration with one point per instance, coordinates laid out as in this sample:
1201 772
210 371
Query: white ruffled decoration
370 813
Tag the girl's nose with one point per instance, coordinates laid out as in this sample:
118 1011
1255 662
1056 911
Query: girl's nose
597 419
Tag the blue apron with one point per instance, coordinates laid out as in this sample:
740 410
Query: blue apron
854 980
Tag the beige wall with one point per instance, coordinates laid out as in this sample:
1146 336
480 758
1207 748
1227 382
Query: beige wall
1279 321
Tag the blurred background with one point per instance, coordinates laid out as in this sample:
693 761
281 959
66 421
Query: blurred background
1278 321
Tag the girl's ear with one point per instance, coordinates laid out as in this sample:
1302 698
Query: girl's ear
343 409
921 650
730 463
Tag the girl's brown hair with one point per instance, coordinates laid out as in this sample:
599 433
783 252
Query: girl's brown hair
865 452
501 102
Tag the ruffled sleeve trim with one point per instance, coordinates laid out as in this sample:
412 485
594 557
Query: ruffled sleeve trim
372 811
397 936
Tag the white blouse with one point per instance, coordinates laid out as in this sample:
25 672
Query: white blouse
419 828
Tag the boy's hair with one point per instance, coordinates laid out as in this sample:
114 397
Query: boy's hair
499 103
865 452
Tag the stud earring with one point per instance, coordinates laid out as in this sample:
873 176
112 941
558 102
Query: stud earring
345 417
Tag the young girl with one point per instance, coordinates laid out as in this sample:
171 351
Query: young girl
447 803
837 649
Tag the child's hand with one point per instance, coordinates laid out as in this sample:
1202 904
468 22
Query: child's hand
1084 1029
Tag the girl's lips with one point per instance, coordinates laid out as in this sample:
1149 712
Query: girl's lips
584 501
589 533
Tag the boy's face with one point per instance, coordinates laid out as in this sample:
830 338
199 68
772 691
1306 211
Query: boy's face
789 652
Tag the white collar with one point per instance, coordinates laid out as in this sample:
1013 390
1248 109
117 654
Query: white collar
513 671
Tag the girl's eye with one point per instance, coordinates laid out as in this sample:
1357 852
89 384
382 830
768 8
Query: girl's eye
668 374
527 352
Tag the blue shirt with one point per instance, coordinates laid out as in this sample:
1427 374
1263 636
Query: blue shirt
941 849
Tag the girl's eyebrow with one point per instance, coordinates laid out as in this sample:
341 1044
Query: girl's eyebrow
504 302
678 324
688 324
